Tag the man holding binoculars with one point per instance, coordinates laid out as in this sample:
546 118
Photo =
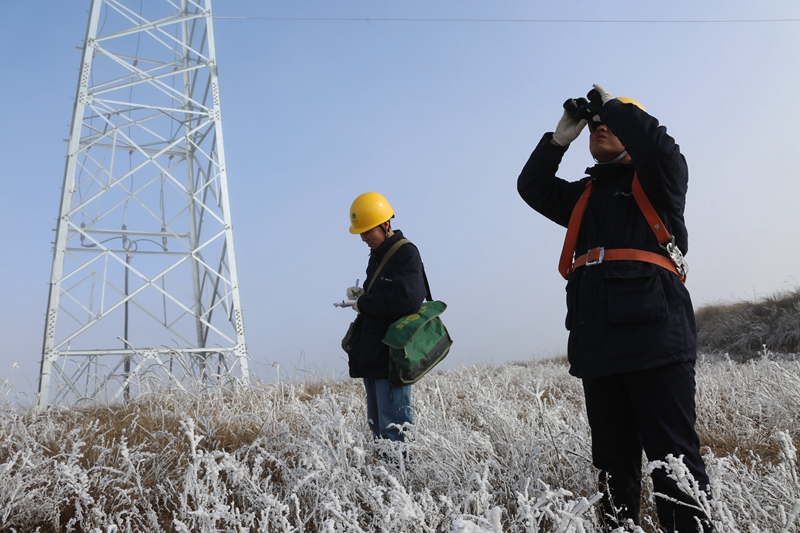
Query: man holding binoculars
632 339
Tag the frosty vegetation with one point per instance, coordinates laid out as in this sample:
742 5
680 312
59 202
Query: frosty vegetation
495 449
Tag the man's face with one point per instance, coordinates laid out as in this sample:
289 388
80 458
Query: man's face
374 237
604 145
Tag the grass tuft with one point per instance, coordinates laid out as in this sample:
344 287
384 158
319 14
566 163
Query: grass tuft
742 330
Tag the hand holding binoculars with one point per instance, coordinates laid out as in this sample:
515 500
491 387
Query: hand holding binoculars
583 109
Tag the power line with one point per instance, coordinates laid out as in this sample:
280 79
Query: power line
443 82
555 21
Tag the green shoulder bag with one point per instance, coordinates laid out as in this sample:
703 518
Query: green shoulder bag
417 342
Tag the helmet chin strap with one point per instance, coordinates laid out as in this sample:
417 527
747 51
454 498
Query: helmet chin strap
620 156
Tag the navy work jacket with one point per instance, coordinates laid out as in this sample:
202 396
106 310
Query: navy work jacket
399 290
622 315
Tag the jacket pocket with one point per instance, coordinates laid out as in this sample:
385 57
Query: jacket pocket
634 292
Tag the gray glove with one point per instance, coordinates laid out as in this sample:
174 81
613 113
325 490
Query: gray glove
604 95
346 303
354 292
567 130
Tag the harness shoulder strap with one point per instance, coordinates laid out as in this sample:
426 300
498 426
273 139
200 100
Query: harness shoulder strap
571 240
662 235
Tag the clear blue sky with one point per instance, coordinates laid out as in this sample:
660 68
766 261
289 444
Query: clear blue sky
440 117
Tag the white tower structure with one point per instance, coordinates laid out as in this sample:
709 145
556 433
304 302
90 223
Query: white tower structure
143 281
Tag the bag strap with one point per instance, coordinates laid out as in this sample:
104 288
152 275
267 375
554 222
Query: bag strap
396 246
427 287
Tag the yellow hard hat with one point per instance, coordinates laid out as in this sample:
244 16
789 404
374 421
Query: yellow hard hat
368 211
626 100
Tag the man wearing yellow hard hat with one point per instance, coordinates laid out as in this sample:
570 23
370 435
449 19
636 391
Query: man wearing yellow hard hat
632 335
394 287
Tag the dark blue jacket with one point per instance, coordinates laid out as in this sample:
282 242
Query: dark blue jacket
622 315
399 290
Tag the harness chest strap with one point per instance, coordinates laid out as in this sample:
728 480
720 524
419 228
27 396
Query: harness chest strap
675 263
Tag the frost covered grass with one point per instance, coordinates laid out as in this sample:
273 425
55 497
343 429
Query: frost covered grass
495 448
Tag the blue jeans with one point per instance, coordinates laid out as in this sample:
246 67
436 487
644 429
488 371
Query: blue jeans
387 405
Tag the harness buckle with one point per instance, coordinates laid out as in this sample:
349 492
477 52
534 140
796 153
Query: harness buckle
676 256
591 260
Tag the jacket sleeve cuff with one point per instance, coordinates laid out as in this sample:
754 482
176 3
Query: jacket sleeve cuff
608 108
546 141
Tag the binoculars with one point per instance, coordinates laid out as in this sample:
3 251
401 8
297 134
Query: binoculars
583 109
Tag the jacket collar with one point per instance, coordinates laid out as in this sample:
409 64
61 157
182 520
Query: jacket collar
600 172
381 250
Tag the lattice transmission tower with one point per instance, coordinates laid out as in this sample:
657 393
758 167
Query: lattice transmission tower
143 282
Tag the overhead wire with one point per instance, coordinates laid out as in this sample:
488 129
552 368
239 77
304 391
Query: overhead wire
464 64
542 21
511 54
485 22
439 78
542 49
524 21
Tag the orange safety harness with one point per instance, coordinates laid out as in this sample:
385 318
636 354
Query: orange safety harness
674 263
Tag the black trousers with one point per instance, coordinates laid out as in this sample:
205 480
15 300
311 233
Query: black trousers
653 410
